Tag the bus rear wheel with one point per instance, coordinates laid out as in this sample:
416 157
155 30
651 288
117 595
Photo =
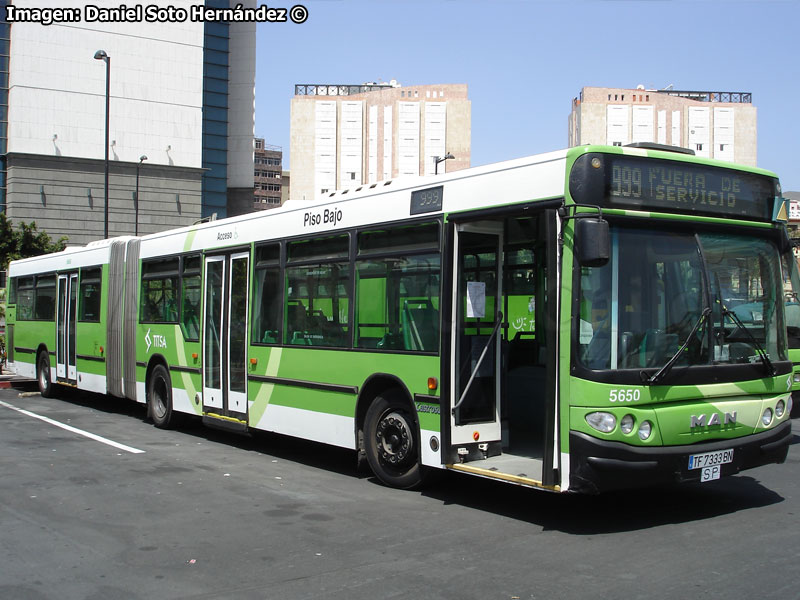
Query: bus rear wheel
392 442
43 375
159 397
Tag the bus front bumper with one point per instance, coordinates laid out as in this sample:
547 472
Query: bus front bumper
599 466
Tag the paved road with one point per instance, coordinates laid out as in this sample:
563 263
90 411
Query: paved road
206 514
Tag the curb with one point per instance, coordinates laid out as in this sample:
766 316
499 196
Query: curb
21 382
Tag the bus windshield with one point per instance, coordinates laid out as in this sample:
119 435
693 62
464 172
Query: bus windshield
715 293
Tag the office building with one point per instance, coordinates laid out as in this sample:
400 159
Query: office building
267 175
719 125
179 125
344 136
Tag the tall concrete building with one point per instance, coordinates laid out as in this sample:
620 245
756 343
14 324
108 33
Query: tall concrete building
348 135
267 175
180 119
718 125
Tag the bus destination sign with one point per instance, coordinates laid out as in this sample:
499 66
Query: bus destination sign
427 200
672 186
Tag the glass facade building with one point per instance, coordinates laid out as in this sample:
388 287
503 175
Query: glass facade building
5 43
215 115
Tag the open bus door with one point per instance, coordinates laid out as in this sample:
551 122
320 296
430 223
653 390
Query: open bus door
501 397
475 370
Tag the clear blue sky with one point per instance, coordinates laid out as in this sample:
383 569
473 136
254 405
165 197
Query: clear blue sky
525 60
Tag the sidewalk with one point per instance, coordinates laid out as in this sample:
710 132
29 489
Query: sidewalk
9 380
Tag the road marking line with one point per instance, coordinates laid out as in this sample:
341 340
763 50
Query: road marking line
92 436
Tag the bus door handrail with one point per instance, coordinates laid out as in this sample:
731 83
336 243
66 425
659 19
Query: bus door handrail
478 364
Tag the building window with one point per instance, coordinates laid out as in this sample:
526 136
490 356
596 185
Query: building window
699 146
617 144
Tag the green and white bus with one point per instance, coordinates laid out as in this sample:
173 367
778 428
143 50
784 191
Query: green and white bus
584 320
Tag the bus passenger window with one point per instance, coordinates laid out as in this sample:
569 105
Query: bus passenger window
191 292
266 309
25 298
267 296
160 291
90 295
317 305
397 295
45 298
318 292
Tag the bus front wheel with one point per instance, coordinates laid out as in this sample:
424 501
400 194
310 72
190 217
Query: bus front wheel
391 441
43 375
159 397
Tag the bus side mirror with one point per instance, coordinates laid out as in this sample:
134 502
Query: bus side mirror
592 241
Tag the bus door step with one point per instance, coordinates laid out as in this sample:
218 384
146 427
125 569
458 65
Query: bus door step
225 423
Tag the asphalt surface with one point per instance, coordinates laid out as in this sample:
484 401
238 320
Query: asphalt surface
208 514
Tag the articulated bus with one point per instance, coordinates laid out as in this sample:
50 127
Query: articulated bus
584 320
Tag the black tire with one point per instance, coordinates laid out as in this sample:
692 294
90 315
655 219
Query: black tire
391 441
46 386
159 398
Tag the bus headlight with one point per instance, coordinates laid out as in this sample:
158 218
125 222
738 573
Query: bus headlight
766 418
626 424
602 421
796 378
645 429
780 408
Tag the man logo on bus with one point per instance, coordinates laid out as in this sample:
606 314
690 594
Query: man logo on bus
704 420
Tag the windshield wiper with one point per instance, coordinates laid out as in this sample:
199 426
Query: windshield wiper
762 354
663 371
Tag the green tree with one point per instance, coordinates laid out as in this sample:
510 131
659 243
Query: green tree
24 241
21 243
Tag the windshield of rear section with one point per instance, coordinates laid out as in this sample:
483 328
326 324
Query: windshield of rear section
640 308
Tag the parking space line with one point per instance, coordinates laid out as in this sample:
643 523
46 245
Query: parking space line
92 436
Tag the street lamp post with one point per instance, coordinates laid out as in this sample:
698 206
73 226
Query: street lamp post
101 55
438 159
142 158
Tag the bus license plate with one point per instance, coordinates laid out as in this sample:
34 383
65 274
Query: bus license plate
710 459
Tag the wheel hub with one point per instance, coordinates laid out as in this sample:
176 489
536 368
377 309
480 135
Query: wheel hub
395 441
